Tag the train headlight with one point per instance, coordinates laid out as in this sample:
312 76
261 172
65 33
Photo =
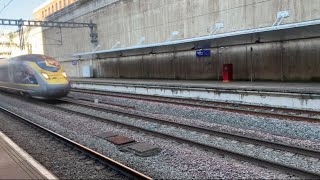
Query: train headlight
64 74
46 76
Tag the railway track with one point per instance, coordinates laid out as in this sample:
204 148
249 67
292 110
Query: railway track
242 156
266 111
126 171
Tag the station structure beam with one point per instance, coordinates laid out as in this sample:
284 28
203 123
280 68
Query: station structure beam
20 22
50 24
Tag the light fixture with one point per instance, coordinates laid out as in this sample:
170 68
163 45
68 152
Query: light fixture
64 74
46 76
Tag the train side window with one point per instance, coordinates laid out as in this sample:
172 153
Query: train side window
24 74
49 64
17 73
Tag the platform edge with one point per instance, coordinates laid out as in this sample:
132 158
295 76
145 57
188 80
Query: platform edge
42 170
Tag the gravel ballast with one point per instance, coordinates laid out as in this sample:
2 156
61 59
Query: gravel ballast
175 160
61 160
286 131
282 157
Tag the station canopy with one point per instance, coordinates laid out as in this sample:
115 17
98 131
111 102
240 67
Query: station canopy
286 32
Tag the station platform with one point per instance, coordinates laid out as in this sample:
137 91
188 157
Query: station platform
285 87
275 94
15 163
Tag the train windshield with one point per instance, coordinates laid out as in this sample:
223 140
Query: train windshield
49 64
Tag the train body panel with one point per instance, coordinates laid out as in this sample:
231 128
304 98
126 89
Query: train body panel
36 75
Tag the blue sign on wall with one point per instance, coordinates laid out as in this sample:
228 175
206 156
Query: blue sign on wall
74 62
203 52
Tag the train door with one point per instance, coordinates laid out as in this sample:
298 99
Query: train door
11 72
4 71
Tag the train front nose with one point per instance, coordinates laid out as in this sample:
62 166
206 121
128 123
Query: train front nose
57 90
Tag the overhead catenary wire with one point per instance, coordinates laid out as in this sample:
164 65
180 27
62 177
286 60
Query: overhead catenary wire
5 6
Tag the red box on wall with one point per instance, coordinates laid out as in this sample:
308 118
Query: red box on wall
227 72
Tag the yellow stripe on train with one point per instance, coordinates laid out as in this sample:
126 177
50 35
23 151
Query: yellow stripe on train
55 77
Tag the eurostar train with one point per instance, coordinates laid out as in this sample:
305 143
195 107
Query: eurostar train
34 75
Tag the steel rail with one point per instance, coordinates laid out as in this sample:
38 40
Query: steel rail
127 171
104 102
214 132
195 103
241 156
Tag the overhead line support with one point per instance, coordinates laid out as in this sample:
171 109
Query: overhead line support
51 24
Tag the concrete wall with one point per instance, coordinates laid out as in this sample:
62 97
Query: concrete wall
287 61
128 20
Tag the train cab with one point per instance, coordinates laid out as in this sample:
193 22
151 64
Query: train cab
38 76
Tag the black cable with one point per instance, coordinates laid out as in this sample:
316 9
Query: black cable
5 6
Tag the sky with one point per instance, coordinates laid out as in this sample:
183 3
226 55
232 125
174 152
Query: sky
17 9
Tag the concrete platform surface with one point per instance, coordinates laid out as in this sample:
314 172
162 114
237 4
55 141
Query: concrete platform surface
307 88
285 95
15 163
